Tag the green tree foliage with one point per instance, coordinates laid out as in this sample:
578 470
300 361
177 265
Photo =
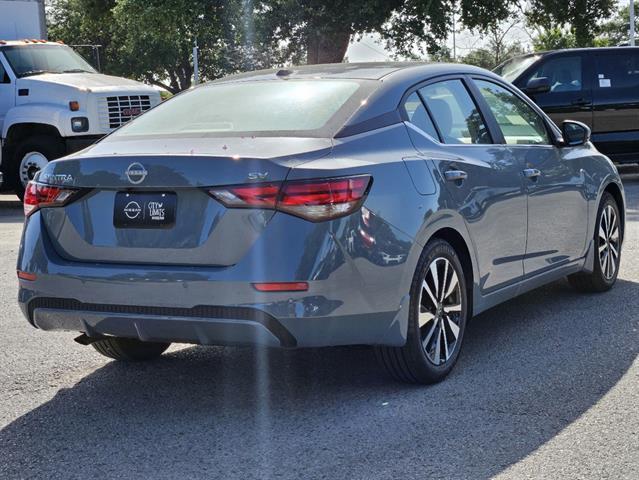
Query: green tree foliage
615 30
322 29
152 40
498 48
489 57
582 17
554 39
87 22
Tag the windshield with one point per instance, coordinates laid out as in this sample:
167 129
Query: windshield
26 60
512 68
264 108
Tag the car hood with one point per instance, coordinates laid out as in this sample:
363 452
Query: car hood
84 81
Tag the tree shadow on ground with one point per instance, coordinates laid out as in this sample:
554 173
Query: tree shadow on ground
529 368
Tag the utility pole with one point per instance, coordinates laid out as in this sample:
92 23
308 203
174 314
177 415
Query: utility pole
632 23
196 70
454 39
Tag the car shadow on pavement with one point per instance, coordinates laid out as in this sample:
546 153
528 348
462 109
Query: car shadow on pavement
529 368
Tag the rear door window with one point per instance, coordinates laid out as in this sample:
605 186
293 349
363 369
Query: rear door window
418 116
617 70
455 113
519 123
564 74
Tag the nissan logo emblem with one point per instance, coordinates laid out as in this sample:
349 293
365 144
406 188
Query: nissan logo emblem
136 173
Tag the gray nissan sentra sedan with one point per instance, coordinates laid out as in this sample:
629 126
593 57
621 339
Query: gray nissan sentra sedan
379 204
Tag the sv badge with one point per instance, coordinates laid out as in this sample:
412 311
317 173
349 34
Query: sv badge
257 176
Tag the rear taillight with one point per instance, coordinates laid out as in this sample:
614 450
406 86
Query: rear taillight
315 200
38 195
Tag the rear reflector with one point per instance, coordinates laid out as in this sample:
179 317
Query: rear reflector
315 200
27 276
38 195
281 287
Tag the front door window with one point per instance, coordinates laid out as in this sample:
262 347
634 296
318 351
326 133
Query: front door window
519 123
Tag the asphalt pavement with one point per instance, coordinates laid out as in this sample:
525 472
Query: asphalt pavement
547 386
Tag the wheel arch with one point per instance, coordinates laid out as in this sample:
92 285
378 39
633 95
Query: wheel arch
16 135
19 131
615 190
457 241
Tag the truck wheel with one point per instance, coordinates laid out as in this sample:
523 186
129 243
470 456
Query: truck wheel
30 156
129 349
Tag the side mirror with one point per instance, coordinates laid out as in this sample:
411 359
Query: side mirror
574 133
538 85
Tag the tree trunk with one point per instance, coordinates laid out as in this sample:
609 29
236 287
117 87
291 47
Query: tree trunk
583 35
327 47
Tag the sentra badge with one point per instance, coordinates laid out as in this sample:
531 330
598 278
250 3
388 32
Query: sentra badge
57 179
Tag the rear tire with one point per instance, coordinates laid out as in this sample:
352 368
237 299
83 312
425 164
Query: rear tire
607 243
129 349
437 319
30 156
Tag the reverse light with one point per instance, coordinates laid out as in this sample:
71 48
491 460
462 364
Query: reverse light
38 195
315 200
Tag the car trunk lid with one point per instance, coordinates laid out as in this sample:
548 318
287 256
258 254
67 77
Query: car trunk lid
202 232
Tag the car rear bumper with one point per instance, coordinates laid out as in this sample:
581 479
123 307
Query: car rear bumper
214 325
354 302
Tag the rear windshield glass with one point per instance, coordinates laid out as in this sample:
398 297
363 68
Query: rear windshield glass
27 60
271 107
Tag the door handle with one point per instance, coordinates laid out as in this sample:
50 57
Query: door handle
531 173
581 102
455 175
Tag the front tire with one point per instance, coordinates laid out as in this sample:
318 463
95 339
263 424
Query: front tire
129 349
607 241
437 319
30 156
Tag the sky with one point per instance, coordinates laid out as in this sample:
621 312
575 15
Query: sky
372 49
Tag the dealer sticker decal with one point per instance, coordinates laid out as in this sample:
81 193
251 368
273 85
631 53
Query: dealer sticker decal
156 210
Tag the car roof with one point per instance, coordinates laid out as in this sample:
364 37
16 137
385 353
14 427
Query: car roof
569 51
354 71
586 49
389 80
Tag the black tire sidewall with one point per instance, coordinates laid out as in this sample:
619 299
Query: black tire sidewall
600 278
428 371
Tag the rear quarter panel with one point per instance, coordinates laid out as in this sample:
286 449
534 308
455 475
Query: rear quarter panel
384 243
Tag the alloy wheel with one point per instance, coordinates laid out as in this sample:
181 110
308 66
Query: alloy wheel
440 311
608 242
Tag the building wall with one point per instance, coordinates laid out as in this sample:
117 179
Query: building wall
22 19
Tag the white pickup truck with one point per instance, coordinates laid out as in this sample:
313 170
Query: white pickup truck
52 103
